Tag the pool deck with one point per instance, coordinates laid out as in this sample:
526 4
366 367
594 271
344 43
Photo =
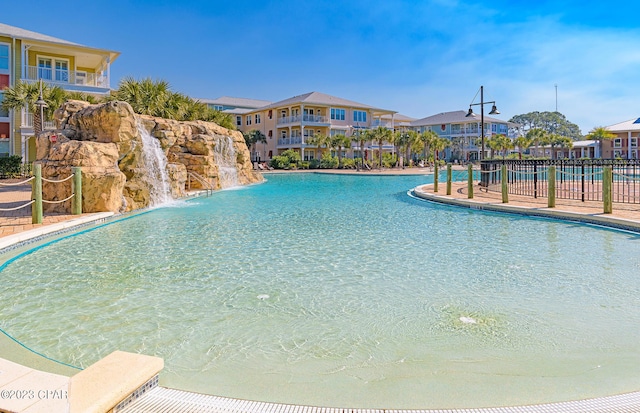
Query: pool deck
16 228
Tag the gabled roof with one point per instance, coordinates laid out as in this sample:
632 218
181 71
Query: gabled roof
318 98
236 102
458 116
629 125
18 33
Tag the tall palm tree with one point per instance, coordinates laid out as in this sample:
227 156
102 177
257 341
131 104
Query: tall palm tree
402 140
254 137
340 142
427 138
381 135
25 95
600 134
501 143
538 136
522 142
439 144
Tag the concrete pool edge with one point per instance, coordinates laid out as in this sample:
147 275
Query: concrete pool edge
560 214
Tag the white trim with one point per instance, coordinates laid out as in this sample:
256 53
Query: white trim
54 60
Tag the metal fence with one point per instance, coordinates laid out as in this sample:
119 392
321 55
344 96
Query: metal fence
577 179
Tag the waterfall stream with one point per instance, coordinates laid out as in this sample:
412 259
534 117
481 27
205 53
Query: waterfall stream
225 157
155 165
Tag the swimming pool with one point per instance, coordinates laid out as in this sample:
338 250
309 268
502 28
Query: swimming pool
342 291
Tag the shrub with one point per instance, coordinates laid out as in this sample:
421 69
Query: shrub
10 166
328 161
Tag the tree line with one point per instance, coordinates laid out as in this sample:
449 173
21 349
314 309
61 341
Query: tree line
146 97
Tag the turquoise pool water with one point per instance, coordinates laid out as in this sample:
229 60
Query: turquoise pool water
342 291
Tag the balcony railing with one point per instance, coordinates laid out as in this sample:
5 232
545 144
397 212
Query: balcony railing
66 77
27 122
302 118
294 140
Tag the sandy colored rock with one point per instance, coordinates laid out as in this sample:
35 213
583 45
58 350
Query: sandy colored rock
107 140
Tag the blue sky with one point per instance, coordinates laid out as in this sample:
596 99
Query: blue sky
416 57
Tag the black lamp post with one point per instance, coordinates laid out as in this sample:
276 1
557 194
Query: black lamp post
40 104
494 111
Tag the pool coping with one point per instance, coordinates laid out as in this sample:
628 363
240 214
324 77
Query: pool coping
559 214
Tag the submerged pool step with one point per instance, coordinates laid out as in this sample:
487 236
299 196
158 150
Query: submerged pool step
164 400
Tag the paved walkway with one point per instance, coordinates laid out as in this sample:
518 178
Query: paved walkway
624 215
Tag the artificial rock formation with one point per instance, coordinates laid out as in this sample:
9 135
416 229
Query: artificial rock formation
108 140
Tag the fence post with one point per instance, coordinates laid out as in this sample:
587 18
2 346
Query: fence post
470 181
36 195
505 184
435 177
551 187
76 188
449 177
607 199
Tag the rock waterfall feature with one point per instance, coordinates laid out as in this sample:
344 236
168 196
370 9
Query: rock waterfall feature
132 161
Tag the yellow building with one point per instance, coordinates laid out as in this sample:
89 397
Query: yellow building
290 123
28 57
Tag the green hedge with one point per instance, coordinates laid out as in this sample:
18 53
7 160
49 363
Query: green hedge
10 166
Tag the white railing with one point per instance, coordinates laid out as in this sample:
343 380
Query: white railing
304 118
66 77
27 122
294 140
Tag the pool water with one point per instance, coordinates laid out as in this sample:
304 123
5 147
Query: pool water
342 291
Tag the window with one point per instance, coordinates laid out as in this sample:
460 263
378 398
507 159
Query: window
81 78
44 68
634 142
337 114
238 120
270 134
3 113
257 118
4 56
248 119
494 127
270 115
359 116
617 143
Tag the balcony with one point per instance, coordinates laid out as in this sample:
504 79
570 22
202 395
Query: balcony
308 119
27 122
293 140
65 78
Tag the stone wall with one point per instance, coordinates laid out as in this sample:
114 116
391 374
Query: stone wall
106 141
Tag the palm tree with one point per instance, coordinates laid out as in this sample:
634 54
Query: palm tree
340 142
26 94
402 140
427 138
522 142
254 137
381 135
438 145
600 134
360 137
537 136
501 143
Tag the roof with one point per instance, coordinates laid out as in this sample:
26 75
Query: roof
324 99
236 102
629 125
398 117
458 116
584 144
18 33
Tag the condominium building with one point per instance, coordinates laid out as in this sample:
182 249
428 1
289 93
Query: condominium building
236 107
464 132
292 122
625 144
30 57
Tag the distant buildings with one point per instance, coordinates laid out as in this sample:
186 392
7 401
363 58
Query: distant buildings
29 56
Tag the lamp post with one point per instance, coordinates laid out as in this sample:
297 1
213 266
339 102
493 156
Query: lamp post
40 104
494 111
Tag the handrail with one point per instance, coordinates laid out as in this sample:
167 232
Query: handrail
206 185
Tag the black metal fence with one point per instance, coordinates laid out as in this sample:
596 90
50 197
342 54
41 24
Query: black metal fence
578 179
